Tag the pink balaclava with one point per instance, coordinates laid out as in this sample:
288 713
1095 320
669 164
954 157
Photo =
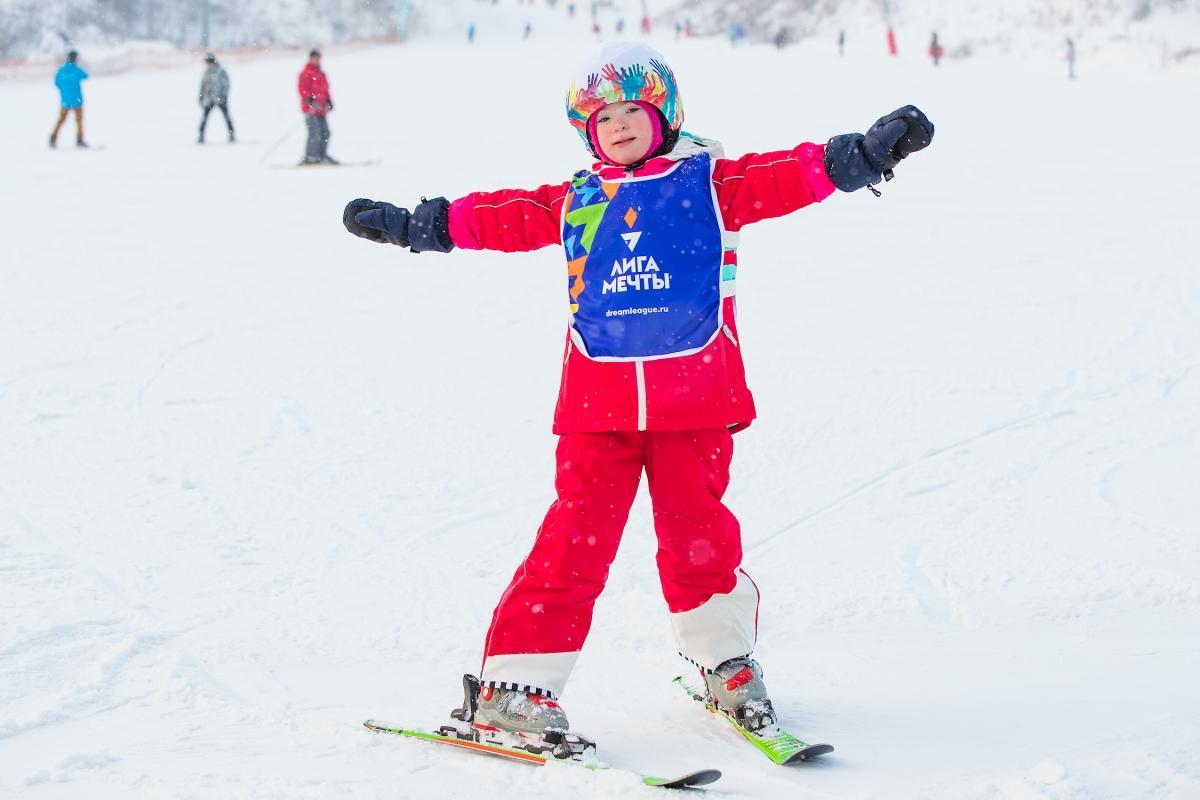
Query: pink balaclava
656 138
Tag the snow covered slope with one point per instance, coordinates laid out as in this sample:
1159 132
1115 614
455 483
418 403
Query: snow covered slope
260 480
1157 32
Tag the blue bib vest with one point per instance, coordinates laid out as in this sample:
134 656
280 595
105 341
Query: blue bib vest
644 260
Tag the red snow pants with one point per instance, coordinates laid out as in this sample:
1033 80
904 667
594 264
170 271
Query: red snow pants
543 617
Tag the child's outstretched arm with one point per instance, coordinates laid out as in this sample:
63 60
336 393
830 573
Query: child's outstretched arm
766 185
510 220
762 186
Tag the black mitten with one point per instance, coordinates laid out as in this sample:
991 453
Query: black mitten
377 221
855 160
901 133
425 228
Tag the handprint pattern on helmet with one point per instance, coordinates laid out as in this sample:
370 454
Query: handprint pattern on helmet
632 79
671 101
583 102
653 82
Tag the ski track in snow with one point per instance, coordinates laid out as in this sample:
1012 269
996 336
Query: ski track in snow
260 481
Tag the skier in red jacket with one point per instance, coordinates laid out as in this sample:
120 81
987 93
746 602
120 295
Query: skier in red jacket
315 103
652 375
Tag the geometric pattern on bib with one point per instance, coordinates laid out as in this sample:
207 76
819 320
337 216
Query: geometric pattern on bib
644 263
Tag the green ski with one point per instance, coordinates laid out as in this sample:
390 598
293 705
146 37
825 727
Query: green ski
775 743
472 740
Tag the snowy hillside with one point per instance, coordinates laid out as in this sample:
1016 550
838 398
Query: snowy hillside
36 27
1158 32
33 28
260 480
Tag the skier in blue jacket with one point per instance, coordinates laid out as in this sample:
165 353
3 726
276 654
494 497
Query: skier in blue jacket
68 80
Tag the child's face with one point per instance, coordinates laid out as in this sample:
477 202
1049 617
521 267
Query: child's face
624 132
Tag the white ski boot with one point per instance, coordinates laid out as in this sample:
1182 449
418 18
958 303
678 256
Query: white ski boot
736 687
518 719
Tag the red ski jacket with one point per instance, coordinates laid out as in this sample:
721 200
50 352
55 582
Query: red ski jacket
700 389
314 91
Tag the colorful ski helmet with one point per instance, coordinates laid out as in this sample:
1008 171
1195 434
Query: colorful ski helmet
622 72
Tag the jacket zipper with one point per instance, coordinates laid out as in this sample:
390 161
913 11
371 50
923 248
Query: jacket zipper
640 370
729 334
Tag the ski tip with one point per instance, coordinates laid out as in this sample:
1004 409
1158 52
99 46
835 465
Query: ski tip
809 753
704 777
701 778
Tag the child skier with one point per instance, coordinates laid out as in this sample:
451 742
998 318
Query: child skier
652 372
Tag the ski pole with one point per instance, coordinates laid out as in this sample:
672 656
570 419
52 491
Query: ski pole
287 134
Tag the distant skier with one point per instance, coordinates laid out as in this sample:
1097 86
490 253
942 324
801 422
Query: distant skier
528 30
68 79
471 33
316 103
1070 58
214 92
841 43
652 376
935 49
782 37
891 42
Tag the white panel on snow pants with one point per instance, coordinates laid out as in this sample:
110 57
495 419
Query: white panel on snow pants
725 627
546 672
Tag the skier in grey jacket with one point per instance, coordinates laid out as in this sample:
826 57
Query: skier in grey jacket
214 91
